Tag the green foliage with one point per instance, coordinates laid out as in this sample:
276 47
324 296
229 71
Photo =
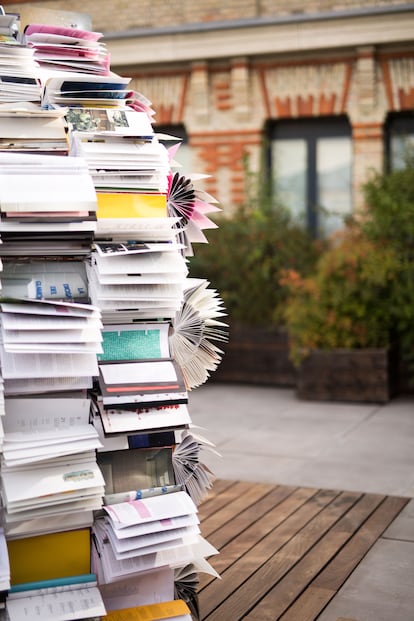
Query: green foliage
245 257
390 223
346 302
362 291
390 200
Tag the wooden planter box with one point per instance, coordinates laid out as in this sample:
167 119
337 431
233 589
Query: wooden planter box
256 355
365 375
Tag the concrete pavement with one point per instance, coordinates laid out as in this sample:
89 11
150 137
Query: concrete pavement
267 434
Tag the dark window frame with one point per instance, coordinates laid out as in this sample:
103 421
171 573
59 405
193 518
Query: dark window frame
396 123
311 129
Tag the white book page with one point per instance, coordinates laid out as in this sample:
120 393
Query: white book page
141 279
43 385
156 262
15 366
25 322
57 523
54 348
147 588
150 509
126 548
50 308
23 457
121 421
55 511
138 530
38 415
138 372
36 484
47 192
61 606
85 335
32 127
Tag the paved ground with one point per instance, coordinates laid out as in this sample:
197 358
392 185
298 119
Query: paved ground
267 434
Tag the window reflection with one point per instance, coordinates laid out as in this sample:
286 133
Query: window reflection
334 157
311 167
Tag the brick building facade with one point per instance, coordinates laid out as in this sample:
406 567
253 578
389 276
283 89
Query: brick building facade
241 74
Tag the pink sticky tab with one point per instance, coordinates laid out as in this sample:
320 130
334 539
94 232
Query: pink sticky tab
140 508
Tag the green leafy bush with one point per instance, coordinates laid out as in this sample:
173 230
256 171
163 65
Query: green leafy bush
362 291
390 223
245 258
347 301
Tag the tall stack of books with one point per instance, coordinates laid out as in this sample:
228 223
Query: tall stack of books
102 337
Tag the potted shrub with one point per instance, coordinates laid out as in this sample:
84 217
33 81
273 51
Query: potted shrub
341 321
390 223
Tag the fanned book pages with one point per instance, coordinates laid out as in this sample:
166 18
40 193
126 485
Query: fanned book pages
194 327
190 205
189 470
186 582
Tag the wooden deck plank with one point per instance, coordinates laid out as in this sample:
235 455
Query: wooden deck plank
284 593
218 501
219 486
285 552
231 510
251 514
260 528
253 589
247 562
240 525
329 581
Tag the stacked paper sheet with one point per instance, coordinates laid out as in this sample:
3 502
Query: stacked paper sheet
37 429
47 205
27 128
148 282
67 48
19 73
101 337
61 359
146 534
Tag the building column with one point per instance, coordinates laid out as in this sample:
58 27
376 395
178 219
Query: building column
367 116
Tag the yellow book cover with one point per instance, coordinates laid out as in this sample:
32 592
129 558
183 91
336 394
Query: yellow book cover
128 205
151 612
53 555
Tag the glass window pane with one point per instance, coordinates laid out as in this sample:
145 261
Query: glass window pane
289 173
400 146
334 169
